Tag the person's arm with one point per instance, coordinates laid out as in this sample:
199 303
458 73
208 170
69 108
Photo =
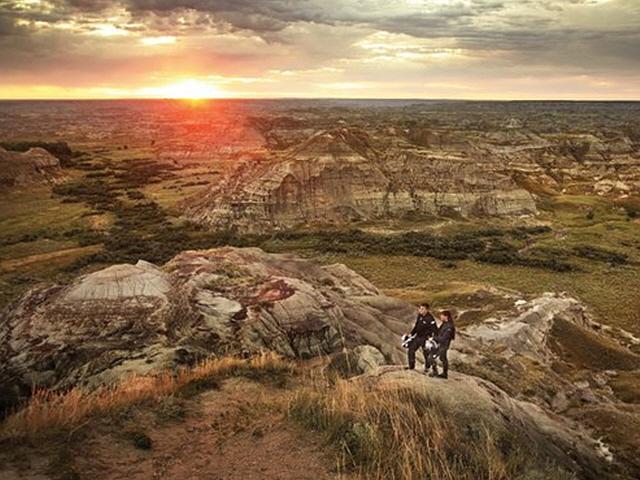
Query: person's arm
437 336
415 328
444 335
433 329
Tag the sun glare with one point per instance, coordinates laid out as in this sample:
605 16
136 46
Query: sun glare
163 40
187 89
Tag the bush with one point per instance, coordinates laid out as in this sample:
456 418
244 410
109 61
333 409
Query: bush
600 254
94 192
489 245
631 207
141 440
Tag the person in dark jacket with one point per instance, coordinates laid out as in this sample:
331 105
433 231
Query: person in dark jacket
445 335
424 329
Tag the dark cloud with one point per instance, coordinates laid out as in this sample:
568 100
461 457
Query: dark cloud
8 27
537 36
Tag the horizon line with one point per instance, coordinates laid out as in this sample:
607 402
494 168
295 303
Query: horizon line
422 99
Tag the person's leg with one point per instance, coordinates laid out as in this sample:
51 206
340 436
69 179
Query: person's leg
427 361
433 355
445 363
411 355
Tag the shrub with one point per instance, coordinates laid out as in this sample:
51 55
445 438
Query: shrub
631 206
94 192
600 254
485 245
141 440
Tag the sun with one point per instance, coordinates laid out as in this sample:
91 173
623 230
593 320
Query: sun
189 89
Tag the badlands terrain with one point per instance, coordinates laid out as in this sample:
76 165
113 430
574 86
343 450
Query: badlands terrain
184 283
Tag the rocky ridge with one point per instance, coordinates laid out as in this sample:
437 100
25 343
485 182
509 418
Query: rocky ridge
345 174
35 166
143 318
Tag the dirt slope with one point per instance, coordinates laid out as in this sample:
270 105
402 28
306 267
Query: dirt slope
223 434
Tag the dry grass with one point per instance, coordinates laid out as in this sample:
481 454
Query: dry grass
391 434
48 411
395 434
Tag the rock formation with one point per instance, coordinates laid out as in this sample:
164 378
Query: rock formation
345 174
142 318
35 166
473 404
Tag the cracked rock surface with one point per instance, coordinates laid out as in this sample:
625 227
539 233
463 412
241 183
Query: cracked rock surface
143 318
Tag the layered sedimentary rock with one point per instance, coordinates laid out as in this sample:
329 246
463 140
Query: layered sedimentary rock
574 164
143 318
345 174
557 161
35 166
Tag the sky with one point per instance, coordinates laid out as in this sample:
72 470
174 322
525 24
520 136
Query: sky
467 49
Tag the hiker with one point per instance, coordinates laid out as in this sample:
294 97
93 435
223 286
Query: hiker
424 329
443 337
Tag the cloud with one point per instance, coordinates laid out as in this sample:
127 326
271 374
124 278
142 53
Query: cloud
369 43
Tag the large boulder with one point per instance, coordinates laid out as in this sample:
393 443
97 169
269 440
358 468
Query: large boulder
142 318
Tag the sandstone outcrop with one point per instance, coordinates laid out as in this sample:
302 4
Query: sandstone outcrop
35 166
345 174
143 319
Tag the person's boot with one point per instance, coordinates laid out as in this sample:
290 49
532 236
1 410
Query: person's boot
444 374
434 372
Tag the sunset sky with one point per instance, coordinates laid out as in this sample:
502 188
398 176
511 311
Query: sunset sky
480 49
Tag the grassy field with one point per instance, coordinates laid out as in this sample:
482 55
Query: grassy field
610 292
32 211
